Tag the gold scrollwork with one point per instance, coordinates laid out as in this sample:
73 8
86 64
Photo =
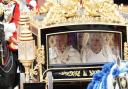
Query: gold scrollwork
40 55
126 51
92 72
38 67
71 73
85 73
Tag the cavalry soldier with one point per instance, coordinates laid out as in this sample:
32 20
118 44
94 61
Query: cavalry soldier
10 14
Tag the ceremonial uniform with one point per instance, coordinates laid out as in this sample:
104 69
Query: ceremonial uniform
10 20
9 17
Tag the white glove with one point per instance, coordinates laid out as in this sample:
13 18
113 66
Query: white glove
8 35
9 27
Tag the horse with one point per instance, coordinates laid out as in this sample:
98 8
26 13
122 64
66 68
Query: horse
120 78
8 66
112 76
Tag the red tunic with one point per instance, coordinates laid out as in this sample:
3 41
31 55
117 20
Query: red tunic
14 19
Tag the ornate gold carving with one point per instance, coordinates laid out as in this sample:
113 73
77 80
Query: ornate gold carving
40 55
92 72
126 51
85 73
95 11
77 73
37 70
70 73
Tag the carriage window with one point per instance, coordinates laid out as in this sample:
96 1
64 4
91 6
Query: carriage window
84 47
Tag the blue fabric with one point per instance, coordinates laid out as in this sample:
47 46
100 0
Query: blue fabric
101 77
107 67
96 85
106 70
116 72
104 81
96 81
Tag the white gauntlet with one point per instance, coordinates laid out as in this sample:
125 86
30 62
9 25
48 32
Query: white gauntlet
9 28
8 35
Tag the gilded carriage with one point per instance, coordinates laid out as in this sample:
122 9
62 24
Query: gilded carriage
63 39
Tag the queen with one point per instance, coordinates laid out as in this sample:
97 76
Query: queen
95 49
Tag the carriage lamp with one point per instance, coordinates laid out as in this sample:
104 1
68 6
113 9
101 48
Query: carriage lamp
26 51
